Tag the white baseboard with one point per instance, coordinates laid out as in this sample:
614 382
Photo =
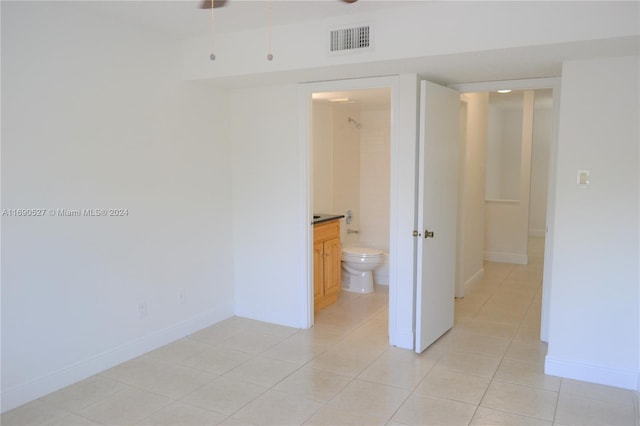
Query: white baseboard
474 278
627 379
537 232
41 386
520 259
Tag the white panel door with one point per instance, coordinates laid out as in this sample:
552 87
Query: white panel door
437 212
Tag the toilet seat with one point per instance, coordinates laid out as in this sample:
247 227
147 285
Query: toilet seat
361 252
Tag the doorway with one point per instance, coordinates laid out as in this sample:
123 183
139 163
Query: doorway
510 180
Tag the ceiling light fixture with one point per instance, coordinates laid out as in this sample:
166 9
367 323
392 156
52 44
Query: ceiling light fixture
338 100
269 55
504 91
212 55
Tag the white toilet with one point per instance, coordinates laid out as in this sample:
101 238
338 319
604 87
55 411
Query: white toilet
358 264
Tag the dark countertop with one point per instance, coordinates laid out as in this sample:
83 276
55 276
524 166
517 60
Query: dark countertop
320 218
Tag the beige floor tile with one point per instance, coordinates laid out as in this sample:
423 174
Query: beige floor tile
262 371
470 363
137 370
73 420
178 351
126 407
398 367
251 341
176 381
371 399
528 334
344 364
460 387
180 414
33 414
277 408
526 373
224 395
574 410
462 341
488 417
313 384
527 351
333 416
297 349
522 400
597 391
427 410
489 328
217 360
84 393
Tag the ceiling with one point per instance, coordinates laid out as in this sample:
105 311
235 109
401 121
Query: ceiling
180 19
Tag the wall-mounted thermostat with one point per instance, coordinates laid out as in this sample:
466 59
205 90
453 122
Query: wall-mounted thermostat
584 178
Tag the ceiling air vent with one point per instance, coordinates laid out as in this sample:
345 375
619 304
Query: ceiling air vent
344 40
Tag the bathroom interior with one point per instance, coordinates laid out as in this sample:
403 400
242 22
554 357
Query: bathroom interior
351 176
351 163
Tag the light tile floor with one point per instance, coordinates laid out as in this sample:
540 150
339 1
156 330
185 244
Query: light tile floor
488 370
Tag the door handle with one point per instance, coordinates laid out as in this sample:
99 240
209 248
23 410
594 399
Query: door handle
416 234
428 234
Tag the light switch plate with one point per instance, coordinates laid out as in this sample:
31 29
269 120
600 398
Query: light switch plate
583 178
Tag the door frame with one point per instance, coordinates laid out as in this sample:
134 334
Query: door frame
401 215
524 84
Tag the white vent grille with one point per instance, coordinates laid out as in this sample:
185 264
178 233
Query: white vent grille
350 38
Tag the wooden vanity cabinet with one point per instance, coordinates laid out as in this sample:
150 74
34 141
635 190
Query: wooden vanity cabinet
327 251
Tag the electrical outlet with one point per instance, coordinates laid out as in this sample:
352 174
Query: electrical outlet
142 310
182 297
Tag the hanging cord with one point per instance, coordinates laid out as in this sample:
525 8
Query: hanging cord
212 55
269 55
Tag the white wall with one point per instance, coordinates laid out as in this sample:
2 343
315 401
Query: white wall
95 115
474 186
542 124
267 204
322 157
593 332
375 138
507 222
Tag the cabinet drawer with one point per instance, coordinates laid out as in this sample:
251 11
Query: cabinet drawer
326 231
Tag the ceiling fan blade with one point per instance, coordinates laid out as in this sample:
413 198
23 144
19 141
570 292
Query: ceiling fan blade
206 4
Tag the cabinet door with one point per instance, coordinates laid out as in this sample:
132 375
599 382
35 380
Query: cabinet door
318 270
332 252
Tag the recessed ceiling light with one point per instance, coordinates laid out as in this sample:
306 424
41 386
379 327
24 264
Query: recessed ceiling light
504 91
339 100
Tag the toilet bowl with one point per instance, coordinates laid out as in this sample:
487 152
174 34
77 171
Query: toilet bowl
358 264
